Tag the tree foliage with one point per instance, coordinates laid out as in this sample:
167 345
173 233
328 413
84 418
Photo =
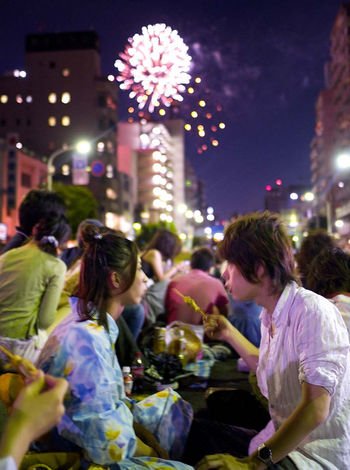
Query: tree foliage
80 202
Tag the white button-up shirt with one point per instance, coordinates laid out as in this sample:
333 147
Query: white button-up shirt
309 344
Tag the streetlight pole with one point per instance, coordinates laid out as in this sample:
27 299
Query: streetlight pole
82 147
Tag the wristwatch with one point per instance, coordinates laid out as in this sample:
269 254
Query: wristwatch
265 455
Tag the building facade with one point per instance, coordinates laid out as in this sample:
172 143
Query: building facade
152 155
61 98
331 184
20 172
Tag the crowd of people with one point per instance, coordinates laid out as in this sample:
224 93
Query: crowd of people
77 312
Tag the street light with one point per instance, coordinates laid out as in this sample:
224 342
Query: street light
342 163
83 147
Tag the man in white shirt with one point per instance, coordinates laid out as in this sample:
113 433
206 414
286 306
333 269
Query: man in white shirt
303 361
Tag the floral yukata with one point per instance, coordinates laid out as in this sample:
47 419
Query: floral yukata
99 418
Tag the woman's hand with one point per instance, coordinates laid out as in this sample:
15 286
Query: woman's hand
38 407
223 462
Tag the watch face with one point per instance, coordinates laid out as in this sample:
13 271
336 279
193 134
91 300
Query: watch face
265 453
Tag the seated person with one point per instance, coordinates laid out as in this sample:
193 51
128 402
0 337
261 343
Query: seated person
329 276
302 365
205 290
98 419
245 316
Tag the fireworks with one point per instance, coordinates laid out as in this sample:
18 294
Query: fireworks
154 67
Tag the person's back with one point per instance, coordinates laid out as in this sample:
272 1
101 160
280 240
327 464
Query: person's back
204 289
31 279
24 273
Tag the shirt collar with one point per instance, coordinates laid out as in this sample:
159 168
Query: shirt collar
280 314
113 328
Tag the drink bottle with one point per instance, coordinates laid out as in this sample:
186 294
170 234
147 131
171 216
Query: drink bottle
128 381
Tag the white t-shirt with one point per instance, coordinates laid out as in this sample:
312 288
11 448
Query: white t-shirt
8 463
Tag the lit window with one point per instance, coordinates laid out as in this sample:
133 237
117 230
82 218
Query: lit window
65 121
66 72
65 97
65 170
111 194
100 146
29 99
4 99
52 98
52 121
19 99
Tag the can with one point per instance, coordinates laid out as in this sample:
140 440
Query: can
159 344
177 344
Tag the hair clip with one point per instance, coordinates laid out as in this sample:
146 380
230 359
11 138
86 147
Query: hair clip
50 239
97 236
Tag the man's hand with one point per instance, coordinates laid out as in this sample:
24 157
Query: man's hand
217 326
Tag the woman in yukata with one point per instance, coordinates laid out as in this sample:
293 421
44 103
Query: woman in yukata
99 419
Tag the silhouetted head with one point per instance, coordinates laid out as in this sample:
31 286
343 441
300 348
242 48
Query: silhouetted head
311 246
37 205
329 273
166 242
203 259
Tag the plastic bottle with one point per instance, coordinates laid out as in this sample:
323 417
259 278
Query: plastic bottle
128 381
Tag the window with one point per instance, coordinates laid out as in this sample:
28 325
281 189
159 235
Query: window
52 98
19 99
18 122
65 121
52 121
52 65
65 98
29 99
65 72
126 205
4 99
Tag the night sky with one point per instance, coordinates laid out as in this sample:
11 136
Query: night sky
261 60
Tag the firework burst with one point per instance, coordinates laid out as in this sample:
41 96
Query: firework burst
155 67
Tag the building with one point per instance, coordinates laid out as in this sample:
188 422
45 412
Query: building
151 154
61 98
331 184
20 173
295 205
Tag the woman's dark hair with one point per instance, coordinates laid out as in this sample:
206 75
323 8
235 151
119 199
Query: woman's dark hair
329 273
166 242
39 204
104 252
50 232
311 246
260 239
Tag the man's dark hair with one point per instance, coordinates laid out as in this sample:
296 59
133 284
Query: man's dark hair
39 204
203 259
260 239
329 273
311 246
